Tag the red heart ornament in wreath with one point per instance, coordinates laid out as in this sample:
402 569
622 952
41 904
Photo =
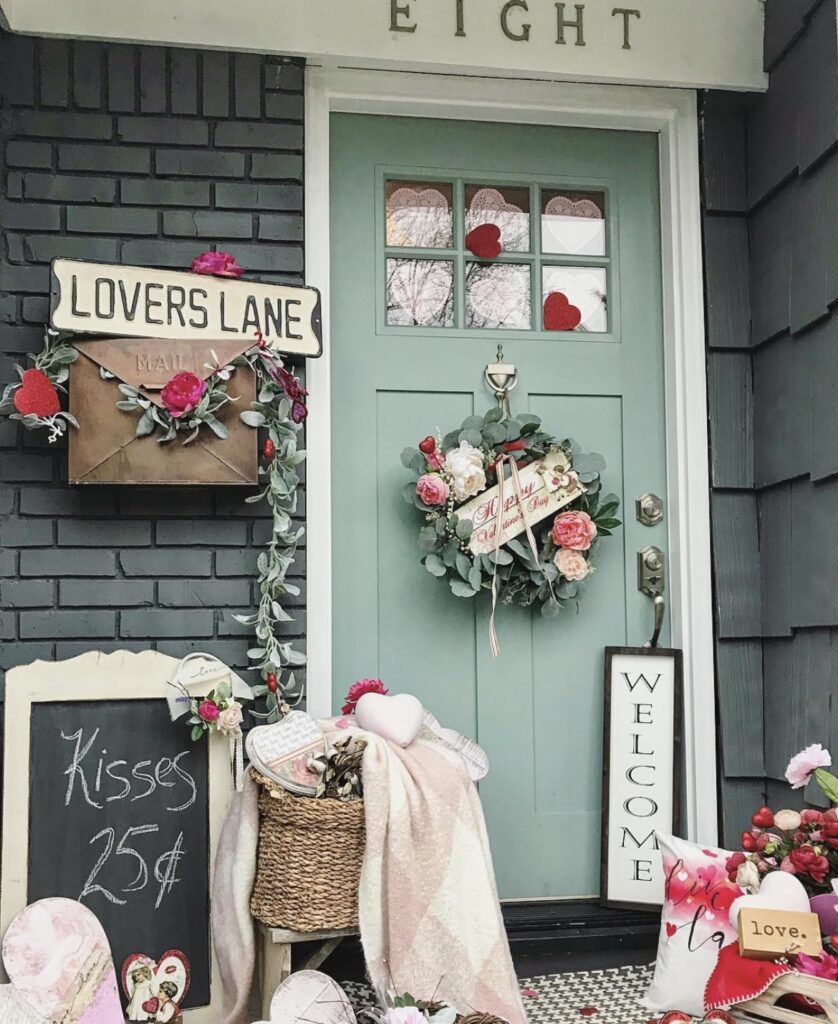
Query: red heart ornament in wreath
560 314
484 241
36 396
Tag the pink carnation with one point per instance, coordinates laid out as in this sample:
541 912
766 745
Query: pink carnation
574 530
823 966
357 691
208 711
183 392
221 264
432 489
803 764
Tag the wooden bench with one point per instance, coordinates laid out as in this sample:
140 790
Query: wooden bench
275 956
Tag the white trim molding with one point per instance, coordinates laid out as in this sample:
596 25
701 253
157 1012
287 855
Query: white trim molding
672 115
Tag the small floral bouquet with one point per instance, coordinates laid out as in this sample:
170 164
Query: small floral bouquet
218 711
803 843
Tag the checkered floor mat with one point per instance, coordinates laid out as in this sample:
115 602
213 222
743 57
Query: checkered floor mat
598 997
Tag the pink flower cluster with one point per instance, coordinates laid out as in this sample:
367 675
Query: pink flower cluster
183 393
219 264
357 691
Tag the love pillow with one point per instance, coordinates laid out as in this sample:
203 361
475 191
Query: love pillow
695 924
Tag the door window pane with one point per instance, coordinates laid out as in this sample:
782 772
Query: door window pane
419 214
498 295
508 209
575 299
573 222
420 293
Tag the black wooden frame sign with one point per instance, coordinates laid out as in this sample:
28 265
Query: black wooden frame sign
641 771
107 801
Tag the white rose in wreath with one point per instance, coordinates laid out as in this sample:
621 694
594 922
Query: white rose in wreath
465 467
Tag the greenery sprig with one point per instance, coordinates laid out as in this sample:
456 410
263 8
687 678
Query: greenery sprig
280 409
50 370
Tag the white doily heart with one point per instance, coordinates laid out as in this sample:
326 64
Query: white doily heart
421 289
572 226
57 956
488 206
418 218
499 295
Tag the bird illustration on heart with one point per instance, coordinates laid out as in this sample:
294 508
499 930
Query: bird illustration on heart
484 241
155 990
560 314
36 395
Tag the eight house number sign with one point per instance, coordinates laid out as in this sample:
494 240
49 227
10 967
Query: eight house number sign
108 802
641 761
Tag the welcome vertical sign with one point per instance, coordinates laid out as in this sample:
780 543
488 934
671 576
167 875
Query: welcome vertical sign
641 761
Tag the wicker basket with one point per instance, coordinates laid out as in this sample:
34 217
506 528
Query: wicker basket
309 862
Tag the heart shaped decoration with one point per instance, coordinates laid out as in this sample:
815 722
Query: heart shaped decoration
484 241
309 997
671 929
736 979
396 718
779 891
559 314
155 989
573 227
281 751
418 218
14 1009
57 956
36 396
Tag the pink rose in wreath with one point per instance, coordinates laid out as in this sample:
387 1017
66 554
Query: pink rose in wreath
574 530
183 392
220 264
432 489
208 711
571 564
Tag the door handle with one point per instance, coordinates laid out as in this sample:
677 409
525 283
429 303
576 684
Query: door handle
651 581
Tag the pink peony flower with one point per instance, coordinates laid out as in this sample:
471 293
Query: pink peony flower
803 764
574 530
208 711
221 264
571 564
823 966
357 691
432 489
183 392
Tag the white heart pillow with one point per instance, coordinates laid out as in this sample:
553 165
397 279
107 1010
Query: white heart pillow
397 718
779 891
695 924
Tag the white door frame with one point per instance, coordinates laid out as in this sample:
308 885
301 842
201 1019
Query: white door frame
671 113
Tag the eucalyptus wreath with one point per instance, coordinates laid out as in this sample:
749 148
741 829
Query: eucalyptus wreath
452 470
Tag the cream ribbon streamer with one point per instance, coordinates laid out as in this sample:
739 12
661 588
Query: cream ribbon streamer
516 483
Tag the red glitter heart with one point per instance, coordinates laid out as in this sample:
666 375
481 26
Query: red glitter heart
36 396
671 929
484 241
559 314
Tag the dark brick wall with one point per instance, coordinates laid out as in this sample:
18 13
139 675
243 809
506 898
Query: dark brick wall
770 167
136 155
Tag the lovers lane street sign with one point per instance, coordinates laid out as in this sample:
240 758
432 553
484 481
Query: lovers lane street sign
140 302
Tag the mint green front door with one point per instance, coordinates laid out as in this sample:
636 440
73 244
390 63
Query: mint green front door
415 319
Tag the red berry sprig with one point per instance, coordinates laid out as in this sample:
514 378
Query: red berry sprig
269 449
272 682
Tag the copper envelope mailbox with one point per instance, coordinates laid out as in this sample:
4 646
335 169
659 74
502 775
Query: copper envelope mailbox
105 448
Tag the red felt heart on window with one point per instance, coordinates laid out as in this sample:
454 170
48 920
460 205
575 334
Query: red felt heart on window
36 396
559 314
671 929
484 241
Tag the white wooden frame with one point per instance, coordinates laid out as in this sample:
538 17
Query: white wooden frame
670 113
92 676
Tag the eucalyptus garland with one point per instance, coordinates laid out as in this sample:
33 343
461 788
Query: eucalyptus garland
451 473
33 398
281 411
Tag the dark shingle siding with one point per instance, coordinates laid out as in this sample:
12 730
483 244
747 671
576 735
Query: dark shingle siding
119 152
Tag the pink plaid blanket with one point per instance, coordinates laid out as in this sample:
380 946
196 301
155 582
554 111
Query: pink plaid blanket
430 919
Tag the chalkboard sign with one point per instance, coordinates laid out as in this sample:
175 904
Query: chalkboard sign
122 808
